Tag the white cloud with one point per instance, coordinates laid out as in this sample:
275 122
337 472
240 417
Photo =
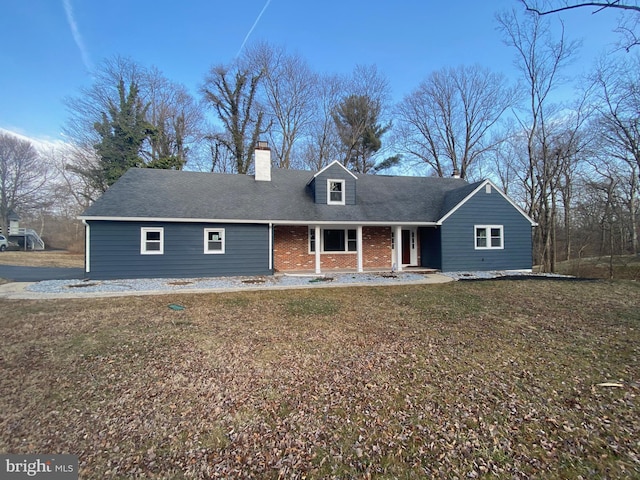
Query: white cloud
42 145
76 34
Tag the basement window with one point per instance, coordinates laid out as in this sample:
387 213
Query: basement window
151 241
489 237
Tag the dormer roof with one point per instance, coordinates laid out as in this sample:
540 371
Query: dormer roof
335 162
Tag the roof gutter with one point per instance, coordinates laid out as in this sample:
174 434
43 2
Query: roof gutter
86 218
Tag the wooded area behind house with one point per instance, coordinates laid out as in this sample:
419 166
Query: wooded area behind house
572 161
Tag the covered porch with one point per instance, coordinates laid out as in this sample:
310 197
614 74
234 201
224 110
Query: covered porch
320 248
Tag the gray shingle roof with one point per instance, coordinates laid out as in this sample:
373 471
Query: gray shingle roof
454 197
167 194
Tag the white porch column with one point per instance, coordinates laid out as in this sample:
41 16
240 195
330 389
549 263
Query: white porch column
359 247
318 246
398 259
270 233
87 247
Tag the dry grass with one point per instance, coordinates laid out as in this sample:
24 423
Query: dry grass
623 267
453 381
41 259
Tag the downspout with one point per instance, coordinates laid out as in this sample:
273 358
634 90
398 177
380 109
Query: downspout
87 247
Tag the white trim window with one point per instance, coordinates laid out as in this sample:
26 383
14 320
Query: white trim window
489 237
151 241
312 240
335 192
335 240
214 240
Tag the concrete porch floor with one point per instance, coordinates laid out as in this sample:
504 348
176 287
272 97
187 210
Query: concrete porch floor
410 269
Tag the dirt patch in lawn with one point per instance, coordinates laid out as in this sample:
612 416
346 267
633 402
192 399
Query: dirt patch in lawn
506 378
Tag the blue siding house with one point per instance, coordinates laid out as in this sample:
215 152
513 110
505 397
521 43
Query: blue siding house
176 224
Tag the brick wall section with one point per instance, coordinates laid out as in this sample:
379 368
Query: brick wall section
291 250
376 247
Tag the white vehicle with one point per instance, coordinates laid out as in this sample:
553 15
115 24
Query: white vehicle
4 243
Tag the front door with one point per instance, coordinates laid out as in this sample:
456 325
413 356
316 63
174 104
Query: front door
406 247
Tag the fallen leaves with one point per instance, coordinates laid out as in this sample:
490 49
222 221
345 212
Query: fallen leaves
257 386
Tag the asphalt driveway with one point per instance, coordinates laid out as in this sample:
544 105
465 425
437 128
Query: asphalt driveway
17 273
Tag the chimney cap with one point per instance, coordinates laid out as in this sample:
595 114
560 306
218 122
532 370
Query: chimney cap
455 173
262 145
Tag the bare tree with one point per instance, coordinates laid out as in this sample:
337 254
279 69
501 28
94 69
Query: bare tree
23 177
610 195
618 124
446 121
366 80
627 25
87 108
540 59
569 144
322 143
618 105
506 161
176 121
617 4
77 168
172 118
231 91
288 92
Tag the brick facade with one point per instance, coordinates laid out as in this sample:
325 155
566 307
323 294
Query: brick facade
291 250
376 247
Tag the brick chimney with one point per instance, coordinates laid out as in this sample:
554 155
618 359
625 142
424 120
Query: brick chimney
262 160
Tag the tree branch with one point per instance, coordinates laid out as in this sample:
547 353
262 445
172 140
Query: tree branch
601 5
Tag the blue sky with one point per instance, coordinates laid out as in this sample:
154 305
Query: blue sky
49 46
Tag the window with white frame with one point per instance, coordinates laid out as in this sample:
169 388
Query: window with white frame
352 240
214 240
335 192
334 240
152 241
312 240
489 237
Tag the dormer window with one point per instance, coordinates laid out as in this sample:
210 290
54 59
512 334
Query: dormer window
335 192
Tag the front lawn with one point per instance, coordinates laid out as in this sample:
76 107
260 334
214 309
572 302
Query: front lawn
455 380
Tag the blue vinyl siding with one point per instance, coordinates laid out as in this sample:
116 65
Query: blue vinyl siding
430 248
458 236
334 172
115 251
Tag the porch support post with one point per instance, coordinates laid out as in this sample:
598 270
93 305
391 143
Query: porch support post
398 236
359 247
270 239
87 247
318 246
